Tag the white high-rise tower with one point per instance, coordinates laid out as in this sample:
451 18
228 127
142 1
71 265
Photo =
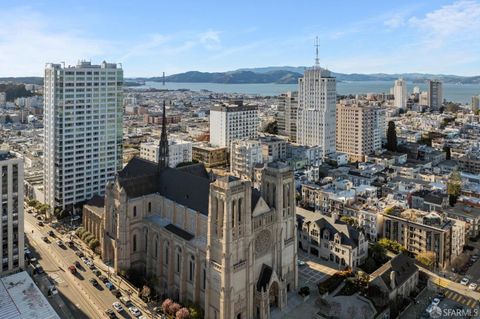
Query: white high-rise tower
400 94
83 116
316 115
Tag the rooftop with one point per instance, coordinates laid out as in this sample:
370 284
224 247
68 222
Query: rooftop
20 298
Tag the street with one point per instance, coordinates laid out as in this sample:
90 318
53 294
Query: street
77 297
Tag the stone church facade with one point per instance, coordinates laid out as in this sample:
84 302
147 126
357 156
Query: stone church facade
212 240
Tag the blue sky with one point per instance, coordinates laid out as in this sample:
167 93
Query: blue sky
149 37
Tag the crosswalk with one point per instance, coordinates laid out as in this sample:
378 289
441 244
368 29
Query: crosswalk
469 302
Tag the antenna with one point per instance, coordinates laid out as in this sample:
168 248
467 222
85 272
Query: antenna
163 79
317 61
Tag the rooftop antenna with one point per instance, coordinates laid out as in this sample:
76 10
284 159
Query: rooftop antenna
163 78
317 61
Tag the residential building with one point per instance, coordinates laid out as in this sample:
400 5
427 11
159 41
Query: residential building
475 103
287 115
209 156
317 95
400 94
470 162
420 231
331 239
229 122
3 99
179 151
360 129
273 148
11 224
83 117
435 94
244 155
423 98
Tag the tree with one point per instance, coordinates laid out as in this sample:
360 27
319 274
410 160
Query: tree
427 258
146 293
271 128
378 253
348 220
391 137
183 313
174 307
454 187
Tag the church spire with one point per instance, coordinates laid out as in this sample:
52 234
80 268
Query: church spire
163 150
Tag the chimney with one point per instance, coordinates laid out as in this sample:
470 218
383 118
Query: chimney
393 278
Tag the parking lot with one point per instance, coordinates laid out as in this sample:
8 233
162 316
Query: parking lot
313 271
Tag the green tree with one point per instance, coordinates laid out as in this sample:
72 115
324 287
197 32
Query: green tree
454 187
271 128
391 137
348 220
427 258
378 253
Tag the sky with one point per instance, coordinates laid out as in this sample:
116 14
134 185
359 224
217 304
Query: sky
151 37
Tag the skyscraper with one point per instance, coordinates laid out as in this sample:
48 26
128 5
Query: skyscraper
435 94
287 115
11 223
83 116
475 103
400 94
317 108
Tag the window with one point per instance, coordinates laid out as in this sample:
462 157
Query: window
204 281
191 269
178 262
149 207
166 255
134 211
134 243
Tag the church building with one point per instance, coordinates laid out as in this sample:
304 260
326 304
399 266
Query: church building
213 240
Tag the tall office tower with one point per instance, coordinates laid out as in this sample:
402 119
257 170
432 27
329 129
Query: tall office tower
83 116
360 130
475 103
230 122
317 94
287 115
435 94
400 94
11 224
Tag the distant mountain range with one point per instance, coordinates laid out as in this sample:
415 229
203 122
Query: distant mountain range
275 74
290 75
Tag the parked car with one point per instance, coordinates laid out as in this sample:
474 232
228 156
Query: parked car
110 313
77 264
300 262
473 286
40 223
39 269
52 290
134 311
116 293
72 269
118 307
435 301
51 233
464 281
60 243
94 282
126 301
79 253
45 239
109 285
103 278
97 272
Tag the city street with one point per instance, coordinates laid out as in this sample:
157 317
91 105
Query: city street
76 293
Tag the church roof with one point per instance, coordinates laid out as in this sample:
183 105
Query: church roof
403 266
179 232
188 186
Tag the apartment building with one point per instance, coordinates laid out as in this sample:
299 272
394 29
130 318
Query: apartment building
210 156
229 122
420 231
400 94
11 224
179 151
273 148
360 129
244 155
435 94
83 117
287 115
470 162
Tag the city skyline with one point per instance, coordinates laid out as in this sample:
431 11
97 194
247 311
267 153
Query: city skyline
148 39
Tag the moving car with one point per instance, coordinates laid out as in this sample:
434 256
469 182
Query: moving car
464 281
134 311
118 307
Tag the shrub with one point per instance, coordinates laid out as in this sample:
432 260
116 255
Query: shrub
166 304
174 307
79 231
333 282
196 312
94 244
183 313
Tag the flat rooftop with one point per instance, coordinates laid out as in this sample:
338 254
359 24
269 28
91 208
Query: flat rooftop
20 298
